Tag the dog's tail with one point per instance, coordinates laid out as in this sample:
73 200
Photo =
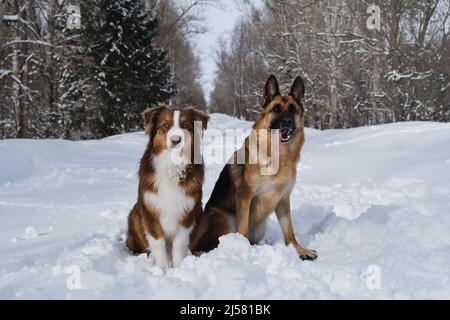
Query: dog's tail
209 228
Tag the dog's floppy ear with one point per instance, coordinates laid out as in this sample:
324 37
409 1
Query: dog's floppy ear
298 90
150 115
271 90
199 116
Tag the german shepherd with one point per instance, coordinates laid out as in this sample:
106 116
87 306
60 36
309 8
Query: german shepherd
243 198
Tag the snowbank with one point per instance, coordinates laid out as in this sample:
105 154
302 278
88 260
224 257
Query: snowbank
374 202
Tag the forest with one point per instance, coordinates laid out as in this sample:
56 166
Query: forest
364 62
88 70
356 75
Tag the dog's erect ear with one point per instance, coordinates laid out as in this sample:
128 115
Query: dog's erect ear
150 115
199 116
271 90
298 90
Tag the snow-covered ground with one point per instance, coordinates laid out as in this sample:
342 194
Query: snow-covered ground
374 202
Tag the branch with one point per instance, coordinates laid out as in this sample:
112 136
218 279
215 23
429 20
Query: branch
4 73
39 42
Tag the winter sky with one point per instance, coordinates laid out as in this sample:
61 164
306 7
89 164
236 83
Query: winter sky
220 20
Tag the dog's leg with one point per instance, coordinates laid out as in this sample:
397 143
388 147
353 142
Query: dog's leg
134 245
244 200
180 245
258 233
136 241
283 212
159 251
210 227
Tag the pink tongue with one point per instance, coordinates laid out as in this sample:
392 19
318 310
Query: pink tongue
284 134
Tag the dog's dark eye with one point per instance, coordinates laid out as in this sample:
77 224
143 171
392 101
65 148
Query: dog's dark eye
277 109
165 126
292 109
185 126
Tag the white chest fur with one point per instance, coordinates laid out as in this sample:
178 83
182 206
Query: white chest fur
170 200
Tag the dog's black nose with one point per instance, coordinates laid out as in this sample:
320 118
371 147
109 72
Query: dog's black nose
175 140
287 123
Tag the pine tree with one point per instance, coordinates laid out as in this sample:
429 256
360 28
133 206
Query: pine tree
114 70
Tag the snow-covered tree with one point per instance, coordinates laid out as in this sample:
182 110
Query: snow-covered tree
114 69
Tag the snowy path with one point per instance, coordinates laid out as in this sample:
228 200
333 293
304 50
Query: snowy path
368 200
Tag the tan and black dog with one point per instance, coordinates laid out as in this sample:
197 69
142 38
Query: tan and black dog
243 198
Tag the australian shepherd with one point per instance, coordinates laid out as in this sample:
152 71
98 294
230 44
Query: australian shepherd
243 197
170 185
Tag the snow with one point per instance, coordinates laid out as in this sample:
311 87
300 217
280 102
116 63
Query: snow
4 72
31 233
374 202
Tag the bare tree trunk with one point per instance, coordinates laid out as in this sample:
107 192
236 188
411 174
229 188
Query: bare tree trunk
333 28
376 78
424 24
19 108
51 74
17 93
396 11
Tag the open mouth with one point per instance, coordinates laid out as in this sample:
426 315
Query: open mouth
285 135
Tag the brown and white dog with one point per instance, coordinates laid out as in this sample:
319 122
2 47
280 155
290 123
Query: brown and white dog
170 186
243 198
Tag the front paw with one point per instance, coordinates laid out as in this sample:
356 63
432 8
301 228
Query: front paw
177 261
178 258
162 262
308 255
